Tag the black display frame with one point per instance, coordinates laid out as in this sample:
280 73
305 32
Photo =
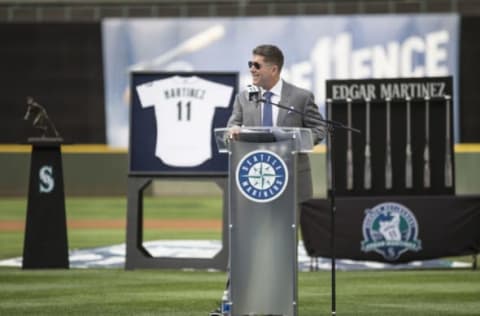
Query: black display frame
142 160
358 91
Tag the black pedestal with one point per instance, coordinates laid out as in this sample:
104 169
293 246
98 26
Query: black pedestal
45 244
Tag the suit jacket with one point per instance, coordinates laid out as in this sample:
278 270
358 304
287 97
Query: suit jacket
248 113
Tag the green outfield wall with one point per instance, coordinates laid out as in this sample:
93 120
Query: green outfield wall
96 170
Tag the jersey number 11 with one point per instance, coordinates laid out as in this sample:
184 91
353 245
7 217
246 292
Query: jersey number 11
181 107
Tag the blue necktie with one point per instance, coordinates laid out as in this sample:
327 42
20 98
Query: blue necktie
267 109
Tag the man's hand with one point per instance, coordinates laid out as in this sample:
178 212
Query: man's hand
234 132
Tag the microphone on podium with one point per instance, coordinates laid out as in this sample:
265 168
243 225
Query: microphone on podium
253 93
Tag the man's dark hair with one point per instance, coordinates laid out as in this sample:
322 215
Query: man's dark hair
271 53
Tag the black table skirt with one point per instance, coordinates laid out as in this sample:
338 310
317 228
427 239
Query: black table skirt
393 229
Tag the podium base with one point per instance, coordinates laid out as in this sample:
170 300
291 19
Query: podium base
45 244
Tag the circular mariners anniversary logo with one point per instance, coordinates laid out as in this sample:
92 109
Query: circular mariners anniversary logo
261 176
390 229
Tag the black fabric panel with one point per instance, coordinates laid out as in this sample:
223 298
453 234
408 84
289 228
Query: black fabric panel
447 226
60 66
469 81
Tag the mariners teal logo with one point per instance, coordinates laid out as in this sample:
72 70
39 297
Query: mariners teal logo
390 229
46 181
261 176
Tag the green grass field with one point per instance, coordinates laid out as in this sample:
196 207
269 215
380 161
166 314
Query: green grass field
82 209
182 293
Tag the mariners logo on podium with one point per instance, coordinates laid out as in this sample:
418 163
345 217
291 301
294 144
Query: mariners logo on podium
261 176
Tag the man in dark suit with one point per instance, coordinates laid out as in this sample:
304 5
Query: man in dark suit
265 67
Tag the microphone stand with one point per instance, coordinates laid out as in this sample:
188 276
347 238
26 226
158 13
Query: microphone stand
324 122
330 126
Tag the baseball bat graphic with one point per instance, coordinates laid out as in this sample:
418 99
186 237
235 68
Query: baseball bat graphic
448 149
367 179
426 151
349 147
408 150
388 149
192 44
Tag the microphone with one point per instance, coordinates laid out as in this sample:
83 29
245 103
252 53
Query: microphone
253 93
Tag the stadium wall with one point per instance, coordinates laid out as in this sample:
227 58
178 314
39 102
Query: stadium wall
61 66
104 173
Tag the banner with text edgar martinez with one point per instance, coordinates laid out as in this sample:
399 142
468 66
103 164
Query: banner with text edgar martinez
316 48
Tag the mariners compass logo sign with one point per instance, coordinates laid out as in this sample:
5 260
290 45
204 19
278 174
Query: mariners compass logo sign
261 176
390 229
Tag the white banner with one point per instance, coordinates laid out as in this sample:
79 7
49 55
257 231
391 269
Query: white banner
316 48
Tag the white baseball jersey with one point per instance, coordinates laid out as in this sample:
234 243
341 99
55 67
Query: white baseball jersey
184 110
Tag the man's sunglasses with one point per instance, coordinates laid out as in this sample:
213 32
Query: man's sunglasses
254 64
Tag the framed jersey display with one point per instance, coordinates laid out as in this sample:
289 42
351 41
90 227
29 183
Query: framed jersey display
172 118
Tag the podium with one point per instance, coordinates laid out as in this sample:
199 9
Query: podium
263 218
45 244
